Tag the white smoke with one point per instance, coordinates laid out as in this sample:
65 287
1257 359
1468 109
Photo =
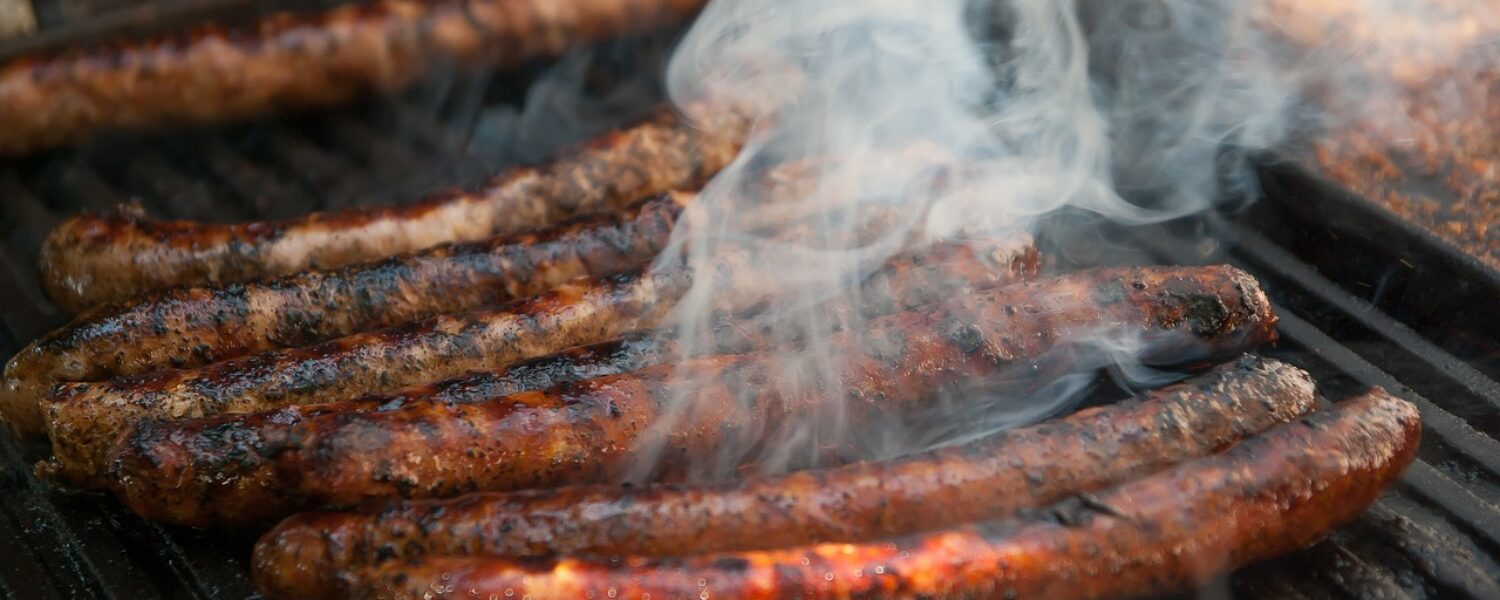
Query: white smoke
1136 111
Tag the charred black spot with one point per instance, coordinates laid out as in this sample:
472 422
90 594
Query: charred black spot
968 337
1205 314
732 564
1072 512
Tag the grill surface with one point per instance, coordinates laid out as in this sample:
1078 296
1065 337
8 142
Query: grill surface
1364 300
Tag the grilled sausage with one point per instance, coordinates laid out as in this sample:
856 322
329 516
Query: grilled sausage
93 259
1266 496
188 327
289 61
980 481
589 431
84 419
216 471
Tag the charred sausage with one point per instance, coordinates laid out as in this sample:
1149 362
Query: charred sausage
589 431
189 327
93 259
213 471
289 60
979 481
1266 496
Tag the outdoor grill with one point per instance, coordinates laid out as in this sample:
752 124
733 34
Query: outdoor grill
1364 297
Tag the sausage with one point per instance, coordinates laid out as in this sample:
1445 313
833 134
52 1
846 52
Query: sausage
84 419
984 480
589 431
215 471
287 60
92 259
1168 532
189 327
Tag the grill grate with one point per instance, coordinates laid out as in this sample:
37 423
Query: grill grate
1363 302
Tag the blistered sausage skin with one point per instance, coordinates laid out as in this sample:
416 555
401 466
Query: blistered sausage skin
589 431
287 60
980 481
93 259
85 419
218 471
190 327
1168 532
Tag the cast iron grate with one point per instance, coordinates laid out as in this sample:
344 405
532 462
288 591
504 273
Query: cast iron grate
1364 301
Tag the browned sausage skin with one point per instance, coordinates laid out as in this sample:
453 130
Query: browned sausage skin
93 259
980 481
589 431
189 327
1267 496
290 61
215 472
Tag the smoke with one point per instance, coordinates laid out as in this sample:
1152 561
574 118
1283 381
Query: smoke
585 93
1004 116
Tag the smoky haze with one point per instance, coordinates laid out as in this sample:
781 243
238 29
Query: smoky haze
956 120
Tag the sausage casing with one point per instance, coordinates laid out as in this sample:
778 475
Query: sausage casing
93 259
590 431
215 471
212 73
189 327
1267 496
984 480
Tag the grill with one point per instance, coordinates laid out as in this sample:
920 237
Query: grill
1364 298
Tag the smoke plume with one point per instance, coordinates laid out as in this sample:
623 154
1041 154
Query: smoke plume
1001 116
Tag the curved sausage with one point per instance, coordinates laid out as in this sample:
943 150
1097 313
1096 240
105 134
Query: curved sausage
213 471
1267 496
984 480
591 431
189 327
287 60
92 259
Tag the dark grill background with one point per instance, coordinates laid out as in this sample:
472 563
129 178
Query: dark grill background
1364 300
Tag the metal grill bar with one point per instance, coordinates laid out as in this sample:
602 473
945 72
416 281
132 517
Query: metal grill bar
1451 429
1420 535
264 196
1434 536
1270 256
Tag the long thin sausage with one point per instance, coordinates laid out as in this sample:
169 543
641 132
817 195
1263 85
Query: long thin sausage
590 431
989 479
289 61
215 471
93 259
189 327
1266 496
